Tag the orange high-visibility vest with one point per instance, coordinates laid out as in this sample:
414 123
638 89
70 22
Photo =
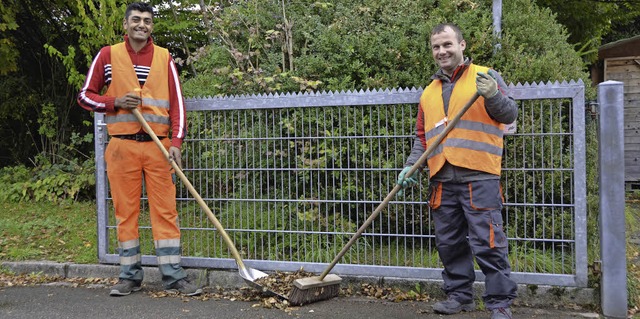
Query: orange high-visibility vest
155 94
476 141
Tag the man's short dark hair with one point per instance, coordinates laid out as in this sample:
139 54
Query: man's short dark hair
442 26
138 6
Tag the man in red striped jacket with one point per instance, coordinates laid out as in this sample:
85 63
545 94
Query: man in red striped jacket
139 74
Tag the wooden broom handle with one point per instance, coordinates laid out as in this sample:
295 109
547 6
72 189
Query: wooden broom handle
393 192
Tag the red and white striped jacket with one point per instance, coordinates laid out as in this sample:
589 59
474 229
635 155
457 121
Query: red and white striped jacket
91 97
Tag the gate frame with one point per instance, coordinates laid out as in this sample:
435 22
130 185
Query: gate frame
565 90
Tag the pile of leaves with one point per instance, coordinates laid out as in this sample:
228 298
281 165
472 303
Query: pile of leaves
281 283
392 294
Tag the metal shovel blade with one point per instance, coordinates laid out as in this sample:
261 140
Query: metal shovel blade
250 276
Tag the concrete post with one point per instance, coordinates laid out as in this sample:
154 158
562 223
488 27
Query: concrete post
497 22
613 286
101 136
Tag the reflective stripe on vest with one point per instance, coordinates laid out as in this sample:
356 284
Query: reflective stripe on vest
155 94
476 141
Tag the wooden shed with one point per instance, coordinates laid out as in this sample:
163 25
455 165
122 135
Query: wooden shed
620 61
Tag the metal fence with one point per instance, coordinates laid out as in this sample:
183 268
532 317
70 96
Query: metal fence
291 177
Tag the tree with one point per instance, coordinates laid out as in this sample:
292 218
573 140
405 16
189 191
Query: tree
37 83
181 28
622 30
589 22
43 64
8 53
38 114
361 44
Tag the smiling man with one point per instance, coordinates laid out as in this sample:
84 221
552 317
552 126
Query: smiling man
464 174
139 74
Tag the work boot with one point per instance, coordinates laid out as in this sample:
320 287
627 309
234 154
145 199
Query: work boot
125 287
183 286
501 313
452 306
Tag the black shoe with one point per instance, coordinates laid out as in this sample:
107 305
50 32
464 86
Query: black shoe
183 286
452 306
125 287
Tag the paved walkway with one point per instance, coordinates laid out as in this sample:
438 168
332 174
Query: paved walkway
65 299
57 301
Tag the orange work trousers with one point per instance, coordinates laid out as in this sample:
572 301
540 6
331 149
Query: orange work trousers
127 162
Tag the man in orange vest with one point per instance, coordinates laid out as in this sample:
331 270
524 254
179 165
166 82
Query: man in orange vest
464 174
139 74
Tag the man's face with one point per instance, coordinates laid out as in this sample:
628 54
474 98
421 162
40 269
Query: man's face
139 25
447 51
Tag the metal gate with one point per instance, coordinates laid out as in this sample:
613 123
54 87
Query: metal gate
292 176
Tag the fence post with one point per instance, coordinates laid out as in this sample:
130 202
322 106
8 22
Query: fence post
613 286
100 131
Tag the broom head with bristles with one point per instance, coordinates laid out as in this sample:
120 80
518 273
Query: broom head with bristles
312 289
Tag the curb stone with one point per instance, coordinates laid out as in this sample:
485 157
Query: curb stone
530 295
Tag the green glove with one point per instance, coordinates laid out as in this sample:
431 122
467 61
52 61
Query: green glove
407 181
487 85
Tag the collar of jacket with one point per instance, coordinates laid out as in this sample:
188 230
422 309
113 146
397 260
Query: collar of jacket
147 47
439 75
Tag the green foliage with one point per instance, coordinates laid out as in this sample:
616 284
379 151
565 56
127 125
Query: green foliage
632 231
371 44
42 83
633 284
96 23
537 260
299 168
622 30
17 113
310 246
178 26
48 182
593 189
61 171
380 44
536 48
244 39
596 20
8 53
54 149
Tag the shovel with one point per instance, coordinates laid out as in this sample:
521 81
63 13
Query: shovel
250 275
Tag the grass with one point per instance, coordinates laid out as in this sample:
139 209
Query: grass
632 212
46 231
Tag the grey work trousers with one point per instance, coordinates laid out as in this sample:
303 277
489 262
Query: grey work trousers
468 223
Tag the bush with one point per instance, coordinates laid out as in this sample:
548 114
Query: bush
342 45
48 182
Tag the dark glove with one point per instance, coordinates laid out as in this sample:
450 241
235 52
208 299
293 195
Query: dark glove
407 181
175 154
487 85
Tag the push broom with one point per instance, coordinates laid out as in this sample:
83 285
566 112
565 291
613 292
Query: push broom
326 286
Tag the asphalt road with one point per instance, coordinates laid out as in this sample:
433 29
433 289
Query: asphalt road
55 301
